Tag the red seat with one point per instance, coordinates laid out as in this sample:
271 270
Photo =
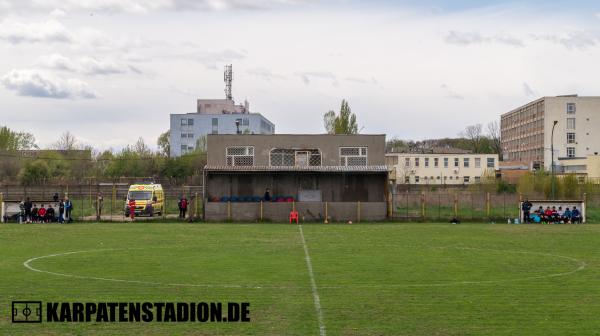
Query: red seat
293 216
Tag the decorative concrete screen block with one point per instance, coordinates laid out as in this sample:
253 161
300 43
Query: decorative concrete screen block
240 156
353 156
310 196
295 157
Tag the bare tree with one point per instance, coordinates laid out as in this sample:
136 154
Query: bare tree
141 148
493 129
474 135
67 141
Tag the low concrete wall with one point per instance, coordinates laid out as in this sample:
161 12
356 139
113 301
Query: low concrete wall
307 211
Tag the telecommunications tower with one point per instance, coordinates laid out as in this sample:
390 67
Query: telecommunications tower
228 77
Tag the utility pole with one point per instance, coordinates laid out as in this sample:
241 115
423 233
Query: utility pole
553 182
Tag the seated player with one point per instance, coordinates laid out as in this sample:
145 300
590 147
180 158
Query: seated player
576 215
42 214
567 216
34 214
560 215
548 215
50 214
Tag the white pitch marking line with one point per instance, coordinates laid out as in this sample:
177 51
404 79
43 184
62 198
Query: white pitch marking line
313 285
27 264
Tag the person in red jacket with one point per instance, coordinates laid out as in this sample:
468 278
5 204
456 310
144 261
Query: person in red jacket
42 214
132 209
548 215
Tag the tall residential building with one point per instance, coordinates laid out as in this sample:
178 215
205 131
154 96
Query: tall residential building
215 116
526 132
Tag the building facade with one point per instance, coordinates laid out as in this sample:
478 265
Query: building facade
440 169
190 129
323 175
527 130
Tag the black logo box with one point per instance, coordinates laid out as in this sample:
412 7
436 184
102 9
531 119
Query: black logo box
26 312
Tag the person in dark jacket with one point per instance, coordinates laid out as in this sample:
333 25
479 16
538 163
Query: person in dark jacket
267 196
61 211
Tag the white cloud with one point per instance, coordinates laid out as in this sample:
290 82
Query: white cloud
308 76
450 93
56 62
34 83
468 38
265 74
57 13
49 31
85 65
146 6
579 39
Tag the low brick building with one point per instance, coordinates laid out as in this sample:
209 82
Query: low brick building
338 177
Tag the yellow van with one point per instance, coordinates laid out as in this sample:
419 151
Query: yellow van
149 199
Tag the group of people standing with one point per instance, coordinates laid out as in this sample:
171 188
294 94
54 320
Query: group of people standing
551 215
31 213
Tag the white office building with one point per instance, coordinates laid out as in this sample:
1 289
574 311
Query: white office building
440 169
526 132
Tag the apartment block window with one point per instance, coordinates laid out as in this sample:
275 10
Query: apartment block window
240 156
407 162
416 179
477 179
353 156
570 108
477 162
183 135
456 162
190 122
466 179
570 138
445 162
426 162
215 126
570 152
416 162
466 162
184 122
436 162
406 179
571 123
491 162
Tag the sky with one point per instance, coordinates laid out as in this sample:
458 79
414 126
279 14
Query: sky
112 71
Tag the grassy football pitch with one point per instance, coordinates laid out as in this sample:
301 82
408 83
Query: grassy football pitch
369 279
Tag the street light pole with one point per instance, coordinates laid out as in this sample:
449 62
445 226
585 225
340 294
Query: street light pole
552 160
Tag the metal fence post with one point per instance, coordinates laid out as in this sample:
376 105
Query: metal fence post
326 213
228 210
261 210
358 212
487 204
455 204
423 205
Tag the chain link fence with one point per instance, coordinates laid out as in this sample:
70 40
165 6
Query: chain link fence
84 199
470 206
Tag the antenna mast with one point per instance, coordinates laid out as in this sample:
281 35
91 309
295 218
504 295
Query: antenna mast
228 77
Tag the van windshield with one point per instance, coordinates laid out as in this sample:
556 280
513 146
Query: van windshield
139 195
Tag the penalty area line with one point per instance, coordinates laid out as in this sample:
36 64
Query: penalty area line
313 285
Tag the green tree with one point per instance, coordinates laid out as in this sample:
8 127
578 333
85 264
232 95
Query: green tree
343 123
13 141
164 143
34 172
